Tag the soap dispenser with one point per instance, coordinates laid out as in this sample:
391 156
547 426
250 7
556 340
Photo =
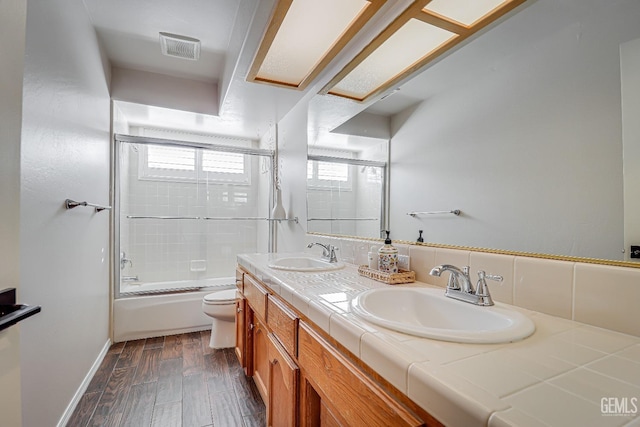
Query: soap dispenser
388 256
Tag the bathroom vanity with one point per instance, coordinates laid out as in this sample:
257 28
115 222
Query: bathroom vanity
315 362
304 376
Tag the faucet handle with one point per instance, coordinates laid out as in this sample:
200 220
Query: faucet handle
482 290
494 277
332 253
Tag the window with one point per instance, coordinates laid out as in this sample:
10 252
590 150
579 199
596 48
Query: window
171 158
333 172
168 163
327 175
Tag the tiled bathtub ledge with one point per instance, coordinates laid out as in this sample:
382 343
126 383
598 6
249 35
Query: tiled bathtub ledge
556 377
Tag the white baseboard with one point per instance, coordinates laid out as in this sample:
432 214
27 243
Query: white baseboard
83 386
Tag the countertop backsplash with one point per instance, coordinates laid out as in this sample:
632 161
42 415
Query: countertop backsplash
599 295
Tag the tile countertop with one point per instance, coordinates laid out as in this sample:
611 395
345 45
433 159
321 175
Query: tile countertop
558 376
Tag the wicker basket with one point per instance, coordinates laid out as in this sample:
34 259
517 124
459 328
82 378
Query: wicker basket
403 276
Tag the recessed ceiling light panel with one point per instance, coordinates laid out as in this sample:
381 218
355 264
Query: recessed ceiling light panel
303 36
403 49
464 11
180 46
423 32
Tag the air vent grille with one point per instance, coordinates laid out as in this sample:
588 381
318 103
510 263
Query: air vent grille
180 46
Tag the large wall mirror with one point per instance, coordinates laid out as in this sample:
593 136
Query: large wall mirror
346 185
531 130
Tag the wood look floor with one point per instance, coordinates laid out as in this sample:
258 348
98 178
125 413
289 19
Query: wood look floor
170 381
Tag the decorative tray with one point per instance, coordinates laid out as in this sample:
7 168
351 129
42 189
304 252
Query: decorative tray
403 276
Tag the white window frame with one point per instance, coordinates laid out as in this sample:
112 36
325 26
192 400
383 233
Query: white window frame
315 183
146 173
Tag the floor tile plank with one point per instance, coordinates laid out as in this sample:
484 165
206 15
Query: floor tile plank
156 382
235 369
169 389
192 358
248 397
170 367
100 378
149 366
191 337
155 342
113 399
257 420
167 415
131 354
205 338
195 401
172 347
225 409
117 347
139 408
217 373
86 406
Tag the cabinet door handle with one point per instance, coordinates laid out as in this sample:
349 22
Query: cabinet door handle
239 310
274 362
251 326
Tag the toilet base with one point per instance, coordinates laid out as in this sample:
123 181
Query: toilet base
223 334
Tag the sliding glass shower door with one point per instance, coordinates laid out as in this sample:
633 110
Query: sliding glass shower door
185 210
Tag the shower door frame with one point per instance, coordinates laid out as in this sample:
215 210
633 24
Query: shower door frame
119 139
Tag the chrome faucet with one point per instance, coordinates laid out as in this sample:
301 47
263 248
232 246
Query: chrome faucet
328 251
459 286
458 280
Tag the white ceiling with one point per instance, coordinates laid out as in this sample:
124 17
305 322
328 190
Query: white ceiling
230 32
128 31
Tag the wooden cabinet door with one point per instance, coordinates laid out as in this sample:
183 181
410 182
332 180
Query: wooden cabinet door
260 357
282 409
347 396
241 332
313 410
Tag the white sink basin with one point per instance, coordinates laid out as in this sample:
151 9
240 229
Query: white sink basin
305 264
426 312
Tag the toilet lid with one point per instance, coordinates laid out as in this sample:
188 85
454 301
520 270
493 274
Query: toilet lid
221 297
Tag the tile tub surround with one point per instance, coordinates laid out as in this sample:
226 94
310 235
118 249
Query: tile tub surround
599 295
558 376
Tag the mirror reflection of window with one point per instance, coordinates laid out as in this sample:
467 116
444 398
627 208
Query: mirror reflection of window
346 190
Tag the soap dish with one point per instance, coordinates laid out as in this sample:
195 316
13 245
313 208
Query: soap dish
403 276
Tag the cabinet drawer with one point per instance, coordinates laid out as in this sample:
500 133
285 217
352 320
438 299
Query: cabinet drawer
240 280
284 324
347 392
256 295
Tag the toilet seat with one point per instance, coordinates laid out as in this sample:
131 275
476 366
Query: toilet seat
225 297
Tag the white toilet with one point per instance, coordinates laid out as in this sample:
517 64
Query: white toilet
221 306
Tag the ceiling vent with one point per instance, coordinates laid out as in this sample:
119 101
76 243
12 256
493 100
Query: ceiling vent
180 46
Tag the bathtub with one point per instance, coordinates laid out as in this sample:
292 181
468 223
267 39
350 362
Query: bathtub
138 288
164 308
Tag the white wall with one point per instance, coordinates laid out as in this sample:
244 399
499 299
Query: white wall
13 15
164 91
630 69
64 255
522 133
292 140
